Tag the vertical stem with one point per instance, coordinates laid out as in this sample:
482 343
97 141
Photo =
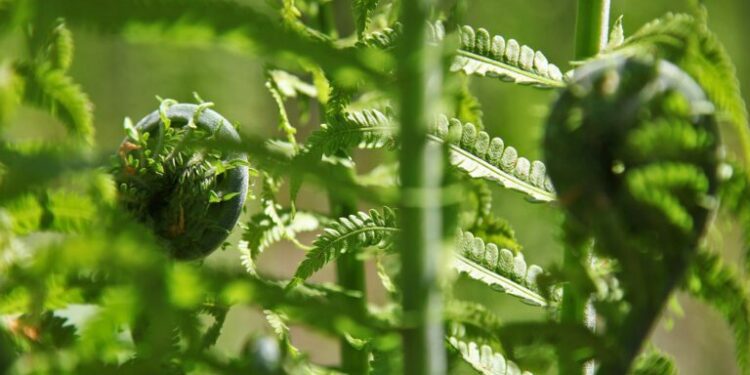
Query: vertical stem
350 274
592 27
592 31
350 271
421 173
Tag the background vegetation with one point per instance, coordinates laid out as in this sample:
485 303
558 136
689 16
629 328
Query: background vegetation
123 78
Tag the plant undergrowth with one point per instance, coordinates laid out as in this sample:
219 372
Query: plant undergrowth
634 166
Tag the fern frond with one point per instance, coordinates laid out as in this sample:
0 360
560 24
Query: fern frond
262 231
654 362
475 153
348 234
498 268
11 91
687 41
53 91
384 39
60 48
709 280
368 128
473 322
483 358
495 57
363 10
472 151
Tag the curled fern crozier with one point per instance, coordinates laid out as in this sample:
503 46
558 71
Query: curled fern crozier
190 195
632 149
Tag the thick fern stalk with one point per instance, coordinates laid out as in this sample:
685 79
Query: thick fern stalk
494 56
348 234
499 268
481 157
421 242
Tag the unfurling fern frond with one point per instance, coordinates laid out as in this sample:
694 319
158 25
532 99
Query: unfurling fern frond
501 269
709 280
475 153
262 231
347 234
686 41
494 56
483 358
647 207
53 91
735 198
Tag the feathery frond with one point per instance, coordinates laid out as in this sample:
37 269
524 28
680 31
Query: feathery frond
53 91
495 57
262 231
709 280
368 128
475 153
499 268
483 358
686 41
348 234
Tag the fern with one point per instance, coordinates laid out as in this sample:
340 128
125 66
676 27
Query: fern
708 279
262 231
475 153
365 129
363 10
498 268
487 56
347 234
686 41
654 362
494 56
51 90
483 358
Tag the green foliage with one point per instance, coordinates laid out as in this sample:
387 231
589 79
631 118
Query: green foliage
632 146
495 57
686 41
347 234
499 268
480 156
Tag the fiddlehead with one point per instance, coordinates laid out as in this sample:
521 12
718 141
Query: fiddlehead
632 149
191 196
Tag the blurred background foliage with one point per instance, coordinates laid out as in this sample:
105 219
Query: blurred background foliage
123 78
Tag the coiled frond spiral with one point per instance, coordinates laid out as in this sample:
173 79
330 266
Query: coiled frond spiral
191 196
632 149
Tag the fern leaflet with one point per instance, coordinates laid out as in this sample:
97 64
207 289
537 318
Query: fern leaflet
475 153
347 234
483 358
494 56
55 92
709 280
498 268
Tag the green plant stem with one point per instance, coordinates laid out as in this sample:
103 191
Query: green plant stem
350 271
350 274
420 244
592 31
592 27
